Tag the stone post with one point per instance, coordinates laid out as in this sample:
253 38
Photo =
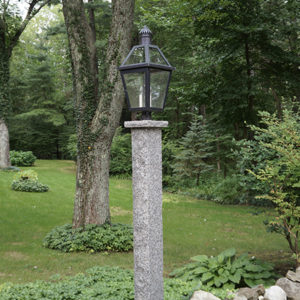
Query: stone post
147 208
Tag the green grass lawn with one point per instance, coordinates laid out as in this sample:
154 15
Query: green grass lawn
191 227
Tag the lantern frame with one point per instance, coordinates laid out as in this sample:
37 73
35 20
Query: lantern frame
146 67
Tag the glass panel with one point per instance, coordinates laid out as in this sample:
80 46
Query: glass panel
158 87
136 57
136 87
156 57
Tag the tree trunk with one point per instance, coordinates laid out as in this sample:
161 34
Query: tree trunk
250 73
4 109
97 118
4 145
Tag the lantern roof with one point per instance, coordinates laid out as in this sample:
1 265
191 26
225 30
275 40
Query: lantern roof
145 54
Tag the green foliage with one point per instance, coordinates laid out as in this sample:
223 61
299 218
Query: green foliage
281 173
92 238
27 181
216 188
109 283
226 271
29 186
72 146
192 159
227 191
120 154
251 156
21 158
40 88
26 175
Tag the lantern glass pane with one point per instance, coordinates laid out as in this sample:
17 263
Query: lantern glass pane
136 57
136 87
156 57
158 87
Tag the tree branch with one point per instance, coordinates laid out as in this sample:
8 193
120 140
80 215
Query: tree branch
31 12
94 57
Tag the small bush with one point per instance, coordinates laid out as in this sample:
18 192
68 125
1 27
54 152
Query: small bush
29 186
27 181
26 175
226 271
109 283
22 159
92 238
227 191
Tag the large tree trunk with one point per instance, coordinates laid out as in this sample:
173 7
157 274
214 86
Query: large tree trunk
97 117
4 108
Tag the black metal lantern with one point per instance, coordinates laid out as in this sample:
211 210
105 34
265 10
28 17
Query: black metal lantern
146 75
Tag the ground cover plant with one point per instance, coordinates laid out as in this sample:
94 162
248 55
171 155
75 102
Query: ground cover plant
92 238
191 226
98 283
227 271
27 181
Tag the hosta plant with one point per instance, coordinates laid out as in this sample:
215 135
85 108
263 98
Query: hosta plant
226 271
26 175
92 238
27 181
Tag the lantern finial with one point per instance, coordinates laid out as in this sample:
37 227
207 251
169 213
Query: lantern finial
145 36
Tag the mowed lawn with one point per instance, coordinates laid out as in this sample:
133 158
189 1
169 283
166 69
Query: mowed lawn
191 227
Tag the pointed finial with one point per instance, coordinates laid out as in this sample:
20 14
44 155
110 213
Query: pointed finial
145 35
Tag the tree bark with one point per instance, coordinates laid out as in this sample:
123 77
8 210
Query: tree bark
97 116
4 109
4 145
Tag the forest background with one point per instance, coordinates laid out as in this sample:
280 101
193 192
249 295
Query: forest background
233 59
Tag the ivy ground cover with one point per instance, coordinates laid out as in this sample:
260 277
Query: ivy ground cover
191 227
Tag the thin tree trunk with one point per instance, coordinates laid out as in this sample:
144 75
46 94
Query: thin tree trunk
278 104
218 152
97 117
248 134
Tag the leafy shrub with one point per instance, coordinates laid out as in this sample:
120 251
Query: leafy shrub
281 174
216 188
26 175
226 271
27 181
109 283
22 159
227 191
29 186
115 237
120 154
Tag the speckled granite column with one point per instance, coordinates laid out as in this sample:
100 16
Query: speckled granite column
147 208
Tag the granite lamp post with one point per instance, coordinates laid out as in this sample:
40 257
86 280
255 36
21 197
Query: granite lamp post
146 76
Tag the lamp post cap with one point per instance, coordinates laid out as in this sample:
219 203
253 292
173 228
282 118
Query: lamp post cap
145 30
145 36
